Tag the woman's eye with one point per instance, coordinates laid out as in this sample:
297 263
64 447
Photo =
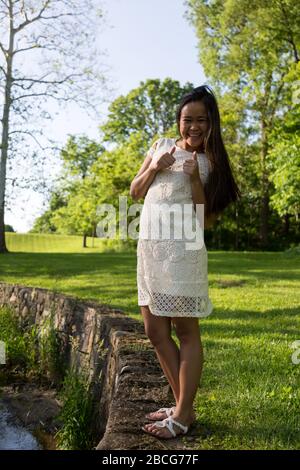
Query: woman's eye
188 121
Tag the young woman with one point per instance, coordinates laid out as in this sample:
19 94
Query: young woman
192 170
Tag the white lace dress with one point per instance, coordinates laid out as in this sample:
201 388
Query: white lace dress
172 278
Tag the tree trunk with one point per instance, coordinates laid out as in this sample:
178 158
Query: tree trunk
264 216
94 234
4 137
264 209
84 240
286 224
236 242
3 248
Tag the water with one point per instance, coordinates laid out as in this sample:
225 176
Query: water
12 436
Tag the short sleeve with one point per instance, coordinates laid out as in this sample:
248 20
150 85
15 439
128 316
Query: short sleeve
153 148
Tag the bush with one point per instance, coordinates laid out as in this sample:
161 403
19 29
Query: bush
76 413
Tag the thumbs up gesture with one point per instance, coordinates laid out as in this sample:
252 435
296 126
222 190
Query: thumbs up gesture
164 160
190 167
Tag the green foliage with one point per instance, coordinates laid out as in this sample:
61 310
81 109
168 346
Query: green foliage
254 91
45 223
73 205
51 361
31 348
249 52
18 351
285 164
101 176
76 413
149 108
8 228
284 156
79 154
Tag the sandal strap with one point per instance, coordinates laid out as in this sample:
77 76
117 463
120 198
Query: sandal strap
168 411
168 423
181 426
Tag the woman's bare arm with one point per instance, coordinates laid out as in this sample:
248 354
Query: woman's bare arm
141 182
147 173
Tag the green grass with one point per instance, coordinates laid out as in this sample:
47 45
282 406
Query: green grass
76 413
44 243
250 392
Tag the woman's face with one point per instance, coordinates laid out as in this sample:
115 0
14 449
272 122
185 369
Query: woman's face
194 124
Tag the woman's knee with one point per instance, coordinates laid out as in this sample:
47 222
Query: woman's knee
187 330
157 329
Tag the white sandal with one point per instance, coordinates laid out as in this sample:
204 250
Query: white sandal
168 423
169 412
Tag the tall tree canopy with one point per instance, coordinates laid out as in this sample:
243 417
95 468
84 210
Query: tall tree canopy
248 49
150 108
47 52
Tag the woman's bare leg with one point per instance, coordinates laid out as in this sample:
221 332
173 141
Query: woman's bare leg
190 369
191 364
158 330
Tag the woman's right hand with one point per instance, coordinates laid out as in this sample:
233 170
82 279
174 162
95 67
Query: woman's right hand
163 161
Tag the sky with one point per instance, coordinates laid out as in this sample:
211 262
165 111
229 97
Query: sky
142 39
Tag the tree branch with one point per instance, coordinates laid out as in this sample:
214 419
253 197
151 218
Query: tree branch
5 4
40 94
290 32
3 70
35 18
3 50
35 139
40 17
40 80
26 49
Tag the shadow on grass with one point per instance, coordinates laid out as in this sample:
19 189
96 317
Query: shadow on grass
261 265
59 264
243 323
86 275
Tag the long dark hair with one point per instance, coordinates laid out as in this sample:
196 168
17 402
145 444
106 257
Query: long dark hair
220 189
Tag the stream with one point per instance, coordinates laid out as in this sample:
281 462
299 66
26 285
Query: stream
14 436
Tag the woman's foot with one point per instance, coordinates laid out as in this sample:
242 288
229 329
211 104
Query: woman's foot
161 414
167 428
162 429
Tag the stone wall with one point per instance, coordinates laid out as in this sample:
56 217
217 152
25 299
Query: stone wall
126 380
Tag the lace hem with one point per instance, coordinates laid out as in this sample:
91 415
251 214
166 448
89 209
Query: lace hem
175 306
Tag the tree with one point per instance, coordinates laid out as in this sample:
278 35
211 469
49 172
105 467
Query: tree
59 36
44 223
79 154
247 48
150 108
79 214
284 162
78 157
9 228
106 179
96 176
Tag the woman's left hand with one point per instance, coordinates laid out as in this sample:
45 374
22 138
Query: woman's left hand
190 167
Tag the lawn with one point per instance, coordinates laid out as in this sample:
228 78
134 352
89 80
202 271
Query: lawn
250 392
